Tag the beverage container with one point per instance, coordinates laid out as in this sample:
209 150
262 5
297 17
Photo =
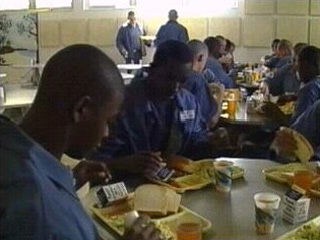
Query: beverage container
266 209
189 228
223 176
232 104
303 179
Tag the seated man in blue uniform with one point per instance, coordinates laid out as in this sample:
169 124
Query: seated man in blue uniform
197 84
285 52
172 30
159 116
272 60
79 94
285 80
128 40
309 72
308 124
213 63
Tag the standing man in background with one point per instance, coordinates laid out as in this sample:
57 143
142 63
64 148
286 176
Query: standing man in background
129 43
172 30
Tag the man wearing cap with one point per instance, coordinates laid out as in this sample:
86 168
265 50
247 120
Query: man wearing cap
129 43
172 30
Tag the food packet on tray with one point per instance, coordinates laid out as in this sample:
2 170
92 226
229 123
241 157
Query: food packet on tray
111 193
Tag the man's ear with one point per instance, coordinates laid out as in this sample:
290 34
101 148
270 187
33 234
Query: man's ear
200 57
81 109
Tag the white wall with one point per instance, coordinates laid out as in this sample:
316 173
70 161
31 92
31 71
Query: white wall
208 21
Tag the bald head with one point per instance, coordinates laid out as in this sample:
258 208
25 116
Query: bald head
200 54
173 15
78 71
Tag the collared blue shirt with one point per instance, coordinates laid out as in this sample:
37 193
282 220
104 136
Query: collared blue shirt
172 30
283 61
308 124
272 62
215 66
128 39
139 127
38 201
307 96
198 86
284 81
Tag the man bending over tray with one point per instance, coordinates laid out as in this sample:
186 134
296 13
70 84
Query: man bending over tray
159 116
79 94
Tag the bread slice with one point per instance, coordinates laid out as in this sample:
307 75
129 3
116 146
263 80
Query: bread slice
304 149
151 199
174 201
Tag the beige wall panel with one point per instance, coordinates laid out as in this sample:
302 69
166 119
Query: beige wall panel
73 31
294 7
315 7
315 32
197 27
49 34
260 6
152 25
228 27
258 31
103 32
293 29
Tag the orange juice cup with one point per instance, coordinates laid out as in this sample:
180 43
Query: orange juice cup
303 179
189 229
232 107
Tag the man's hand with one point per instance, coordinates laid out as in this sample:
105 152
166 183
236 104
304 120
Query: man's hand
142 229
95 172
136 163
219 139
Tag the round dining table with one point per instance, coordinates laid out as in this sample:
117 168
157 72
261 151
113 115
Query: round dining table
232 214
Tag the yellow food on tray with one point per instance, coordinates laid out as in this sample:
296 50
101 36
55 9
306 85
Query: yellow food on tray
308 231
285 174
288 108
163 206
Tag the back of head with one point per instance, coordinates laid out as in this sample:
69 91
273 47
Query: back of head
197 47
285 48
172 51
309 60
74 72
275 43
213 45
298 48
173 15
230 46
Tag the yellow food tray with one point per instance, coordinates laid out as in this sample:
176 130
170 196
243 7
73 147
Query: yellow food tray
113 217
283 173
296 234
199 179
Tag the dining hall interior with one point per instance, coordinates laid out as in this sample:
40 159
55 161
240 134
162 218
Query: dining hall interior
149 120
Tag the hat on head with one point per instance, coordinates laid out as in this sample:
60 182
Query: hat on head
172 50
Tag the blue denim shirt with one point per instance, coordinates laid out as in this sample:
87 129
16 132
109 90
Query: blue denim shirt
38 201
308 124
198 86
128 39
307 96
172 30
284 81
139 128
216 67
283 61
